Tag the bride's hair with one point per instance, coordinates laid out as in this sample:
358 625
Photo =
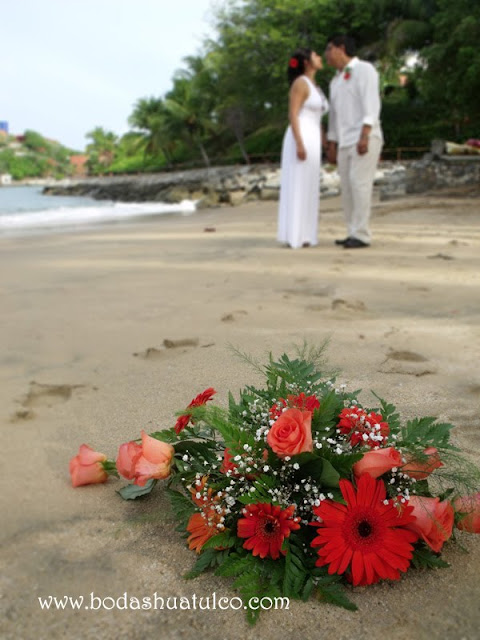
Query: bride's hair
296 64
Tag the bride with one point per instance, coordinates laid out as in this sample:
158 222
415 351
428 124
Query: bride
301 153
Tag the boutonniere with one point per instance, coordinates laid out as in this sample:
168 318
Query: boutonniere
347 73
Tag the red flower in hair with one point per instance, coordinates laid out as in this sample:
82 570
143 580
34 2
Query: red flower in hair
293 64
202 398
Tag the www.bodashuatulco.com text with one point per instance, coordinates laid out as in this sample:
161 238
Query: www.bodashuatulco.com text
93 602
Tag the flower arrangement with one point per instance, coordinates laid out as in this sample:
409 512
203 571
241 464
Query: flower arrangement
297 489
347 73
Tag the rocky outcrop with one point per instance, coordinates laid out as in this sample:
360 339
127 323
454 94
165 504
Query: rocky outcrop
207 187
436 170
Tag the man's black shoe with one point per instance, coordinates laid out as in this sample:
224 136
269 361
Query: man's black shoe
354 243
344 241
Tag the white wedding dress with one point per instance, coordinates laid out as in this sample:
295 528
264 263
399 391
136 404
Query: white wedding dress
300 179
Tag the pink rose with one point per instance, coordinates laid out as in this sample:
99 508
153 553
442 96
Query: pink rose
291 433
128 455
470 505
155 460
87 468
421 470
433 520
377 462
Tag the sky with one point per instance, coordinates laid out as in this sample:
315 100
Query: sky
68 66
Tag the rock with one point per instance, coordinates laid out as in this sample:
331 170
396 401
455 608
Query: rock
236 197
176 195
268 193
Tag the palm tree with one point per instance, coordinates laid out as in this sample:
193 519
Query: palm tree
150 116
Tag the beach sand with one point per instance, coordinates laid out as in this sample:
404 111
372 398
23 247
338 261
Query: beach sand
84 319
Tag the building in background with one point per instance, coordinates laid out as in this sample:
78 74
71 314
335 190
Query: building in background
79 165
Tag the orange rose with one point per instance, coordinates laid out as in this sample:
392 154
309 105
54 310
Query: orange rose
421 470
433 520
87 468
291 433
128 455
377 462
470 505
155 460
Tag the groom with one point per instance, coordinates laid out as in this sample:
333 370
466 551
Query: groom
355 136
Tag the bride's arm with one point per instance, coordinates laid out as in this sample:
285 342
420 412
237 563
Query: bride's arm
298 94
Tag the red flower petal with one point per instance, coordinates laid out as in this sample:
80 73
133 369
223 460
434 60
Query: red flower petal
366 536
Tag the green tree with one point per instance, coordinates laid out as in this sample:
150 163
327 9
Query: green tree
191 108
150 117
452 75
102 150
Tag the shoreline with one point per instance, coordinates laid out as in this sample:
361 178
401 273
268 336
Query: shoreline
87 314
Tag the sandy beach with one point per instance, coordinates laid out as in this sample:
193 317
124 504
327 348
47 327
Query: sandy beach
85 317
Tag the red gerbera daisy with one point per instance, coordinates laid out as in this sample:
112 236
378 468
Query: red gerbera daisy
362 427
302 402
366 535
202 398
266 526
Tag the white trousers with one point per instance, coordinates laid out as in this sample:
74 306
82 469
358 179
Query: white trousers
357 173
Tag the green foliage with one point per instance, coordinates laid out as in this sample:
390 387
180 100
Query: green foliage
295 484
34 157
101 150
426 432
259 492
231 99
425 558
224 540
182 507
325 417
330 589
389 413
297 573
218 419
134 491
208 559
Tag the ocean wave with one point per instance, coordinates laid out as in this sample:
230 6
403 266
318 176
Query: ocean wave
83 216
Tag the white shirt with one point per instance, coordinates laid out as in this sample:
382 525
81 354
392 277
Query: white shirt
354 101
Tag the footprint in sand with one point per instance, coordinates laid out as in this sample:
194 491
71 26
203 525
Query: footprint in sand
231 317
153 353
350 305
317 307
182 342
441 256
315 292
47 395
406 363
409 356
468 423
43 395
457 243
21 415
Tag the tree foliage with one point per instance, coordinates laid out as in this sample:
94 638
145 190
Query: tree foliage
231 99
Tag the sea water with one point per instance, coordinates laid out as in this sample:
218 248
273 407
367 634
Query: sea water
24 209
